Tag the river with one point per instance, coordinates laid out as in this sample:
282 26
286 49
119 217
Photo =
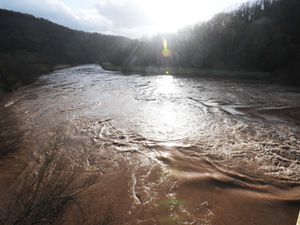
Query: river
172 150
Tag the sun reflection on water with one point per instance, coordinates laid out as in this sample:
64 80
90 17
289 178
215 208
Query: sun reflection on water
165 84
167 118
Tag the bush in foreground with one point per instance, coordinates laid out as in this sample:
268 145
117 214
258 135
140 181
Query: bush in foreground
44 195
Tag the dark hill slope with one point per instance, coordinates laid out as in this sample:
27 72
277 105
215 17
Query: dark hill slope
260 35
30 46
22 32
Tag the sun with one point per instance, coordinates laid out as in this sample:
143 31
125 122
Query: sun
171 15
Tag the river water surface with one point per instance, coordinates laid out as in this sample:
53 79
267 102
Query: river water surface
173 150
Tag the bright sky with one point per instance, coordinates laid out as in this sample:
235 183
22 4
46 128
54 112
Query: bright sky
132 18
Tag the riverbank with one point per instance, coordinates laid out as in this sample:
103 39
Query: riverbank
184 71
17 73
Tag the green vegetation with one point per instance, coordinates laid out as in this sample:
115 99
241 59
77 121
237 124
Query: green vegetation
172 208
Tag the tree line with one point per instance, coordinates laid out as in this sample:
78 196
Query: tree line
260 35
31 46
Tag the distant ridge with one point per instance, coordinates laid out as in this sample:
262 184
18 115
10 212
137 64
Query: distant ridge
59 44
258 36
31 46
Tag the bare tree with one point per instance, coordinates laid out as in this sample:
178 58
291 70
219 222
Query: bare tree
45 193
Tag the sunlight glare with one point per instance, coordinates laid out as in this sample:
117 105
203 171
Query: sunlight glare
166 51
165 84
169 15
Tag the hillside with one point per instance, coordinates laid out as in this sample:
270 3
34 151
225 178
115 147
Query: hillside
261 35
258 36
30 46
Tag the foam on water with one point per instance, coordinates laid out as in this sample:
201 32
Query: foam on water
184 143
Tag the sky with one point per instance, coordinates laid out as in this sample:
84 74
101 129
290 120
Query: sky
131 18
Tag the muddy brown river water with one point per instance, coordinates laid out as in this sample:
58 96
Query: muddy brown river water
171 150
